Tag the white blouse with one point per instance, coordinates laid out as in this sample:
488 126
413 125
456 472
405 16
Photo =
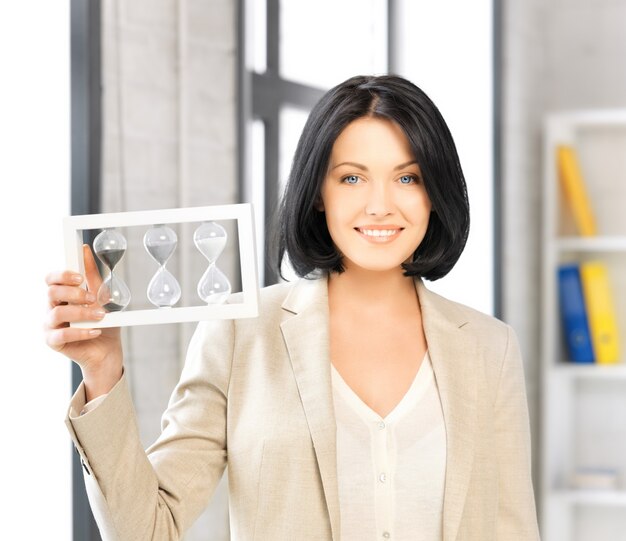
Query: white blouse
391 471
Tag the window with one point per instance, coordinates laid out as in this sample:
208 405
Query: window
295 51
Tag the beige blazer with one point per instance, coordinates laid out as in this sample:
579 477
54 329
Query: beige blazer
255 394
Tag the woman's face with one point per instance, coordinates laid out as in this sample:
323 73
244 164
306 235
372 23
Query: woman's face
376 206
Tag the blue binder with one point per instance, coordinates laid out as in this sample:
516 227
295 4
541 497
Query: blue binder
574 314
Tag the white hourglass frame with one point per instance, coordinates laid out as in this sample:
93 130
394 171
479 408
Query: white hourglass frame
73 227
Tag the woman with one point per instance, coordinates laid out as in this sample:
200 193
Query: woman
358 405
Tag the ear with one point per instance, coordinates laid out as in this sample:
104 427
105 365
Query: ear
319 204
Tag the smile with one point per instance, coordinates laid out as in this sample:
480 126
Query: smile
379 235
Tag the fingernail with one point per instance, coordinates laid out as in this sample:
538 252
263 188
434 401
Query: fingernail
99 313
90 297
77 278
95 332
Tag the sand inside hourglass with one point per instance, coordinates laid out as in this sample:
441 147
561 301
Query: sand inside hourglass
161 252
211 247
111 257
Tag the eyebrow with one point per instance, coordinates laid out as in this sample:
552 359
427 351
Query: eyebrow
360 166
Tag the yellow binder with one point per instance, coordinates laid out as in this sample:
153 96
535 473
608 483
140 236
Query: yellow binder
600 311
575 191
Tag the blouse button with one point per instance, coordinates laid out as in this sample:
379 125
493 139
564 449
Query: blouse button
382 477
386 535
381 425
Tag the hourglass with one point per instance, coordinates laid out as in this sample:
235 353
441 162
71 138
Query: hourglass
160 242
210 239
109 246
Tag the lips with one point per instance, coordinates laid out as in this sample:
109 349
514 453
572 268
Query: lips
379 233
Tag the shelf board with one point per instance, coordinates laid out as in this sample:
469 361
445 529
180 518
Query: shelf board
591 370
589 117
615 243
592 497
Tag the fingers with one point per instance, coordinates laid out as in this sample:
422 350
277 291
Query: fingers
65 277
63 288
63 285
94 280
58 295
57 338
68 302
61 315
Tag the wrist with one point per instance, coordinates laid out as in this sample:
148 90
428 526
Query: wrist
99 382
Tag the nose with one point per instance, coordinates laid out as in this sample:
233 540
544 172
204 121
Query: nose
379 199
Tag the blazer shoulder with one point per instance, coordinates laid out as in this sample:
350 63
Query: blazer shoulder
271 299
489 329
275 294
291 296
495 340
464 314
268 295
492 335
495 336
483 321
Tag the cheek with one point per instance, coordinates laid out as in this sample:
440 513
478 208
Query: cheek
333 204
418 206
427 203
424 199
332 223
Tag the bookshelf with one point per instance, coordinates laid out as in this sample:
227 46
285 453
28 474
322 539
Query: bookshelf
583 405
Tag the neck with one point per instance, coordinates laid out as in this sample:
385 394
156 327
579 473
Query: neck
360 286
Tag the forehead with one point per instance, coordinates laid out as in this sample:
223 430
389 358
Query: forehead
372 139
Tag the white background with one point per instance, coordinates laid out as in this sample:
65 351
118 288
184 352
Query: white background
35 457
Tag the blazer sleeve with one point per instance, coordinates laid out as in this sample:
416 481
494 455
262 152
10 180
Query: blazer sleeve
158 493
517 517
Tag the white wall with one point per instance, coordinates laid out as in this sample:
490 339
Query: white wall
558 55
35 456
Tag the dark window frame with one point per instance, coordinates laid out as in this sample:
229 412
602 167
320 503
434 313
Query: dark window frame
86 144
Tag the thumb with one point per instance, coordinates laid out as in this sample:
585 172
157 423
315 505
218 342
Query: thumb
92 274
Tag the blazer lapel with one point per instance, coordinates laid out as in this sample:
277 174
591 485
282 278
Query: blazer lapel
452 348
307 341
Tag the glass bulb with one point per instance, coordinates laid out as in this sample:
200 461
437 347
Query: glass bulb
163 289
214 287
110 246
113 294
210 239
160 242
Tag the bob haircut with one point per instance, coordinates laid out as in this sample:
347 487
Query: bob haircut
301 229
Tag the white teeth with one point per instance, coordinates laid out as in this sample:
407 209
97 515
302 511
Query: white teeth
379 232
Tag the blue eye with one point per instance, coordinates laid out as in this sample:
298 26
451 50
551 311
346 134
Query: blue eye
407 179
351 179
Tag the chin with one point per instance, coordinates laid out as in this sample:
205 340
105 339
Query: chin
374 266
